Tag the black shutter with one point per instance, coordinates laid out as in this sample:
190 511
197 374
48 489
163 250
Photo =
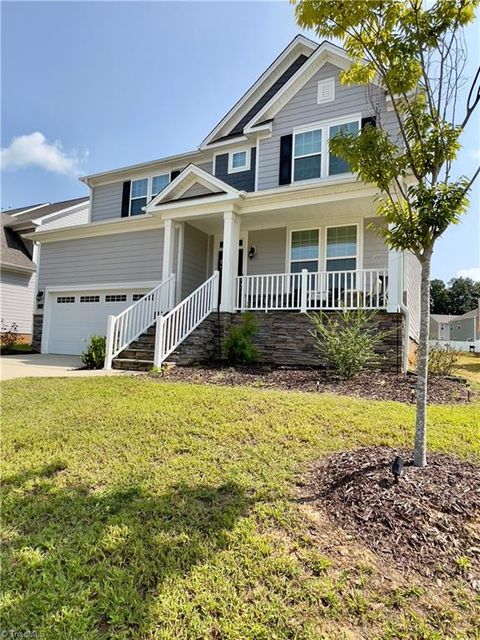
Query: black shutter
174 174
371 120
125 199
285 174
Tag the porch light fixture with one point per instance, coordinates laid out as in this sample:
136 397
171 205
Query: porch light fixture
40 295
252 252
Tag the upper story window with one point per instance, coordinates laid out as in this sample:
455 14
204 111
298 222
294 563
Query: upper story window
311 156
138 196
143 190
239 161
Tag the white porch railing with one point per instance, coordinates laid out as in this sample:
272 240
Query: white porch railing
326 290
175 326
133 321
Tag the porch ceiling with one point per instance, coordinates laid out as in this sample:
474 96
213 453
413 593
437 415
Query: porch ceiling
321 213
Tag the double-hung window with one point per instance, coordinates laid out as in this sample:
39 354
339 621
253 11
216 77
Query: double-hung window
307 162
144 189
341 253
311 154
239 161
304 250
138 196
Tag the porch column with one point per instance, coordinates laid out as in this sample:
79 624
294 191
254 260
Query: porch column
231 238
395 280
168 245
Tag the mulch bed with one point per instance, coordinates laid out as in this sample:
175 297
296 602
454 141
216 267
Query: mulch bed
426 522
367 384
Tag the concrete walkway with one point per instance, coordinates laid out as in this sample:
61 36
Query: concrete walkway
34 365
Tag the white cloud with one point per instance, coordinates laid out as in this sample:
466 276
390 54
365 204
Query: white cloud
473 273
33 149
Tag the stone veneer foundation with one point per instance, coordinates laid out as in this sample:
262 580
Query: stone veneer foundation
283 338
37 331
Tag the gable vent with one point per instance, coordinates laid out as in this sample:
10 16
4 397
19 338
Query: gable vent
326 90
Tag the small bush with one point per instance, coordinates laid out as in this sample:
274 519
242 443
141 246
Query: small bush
239 348
442 360
94 355
347 341
8 336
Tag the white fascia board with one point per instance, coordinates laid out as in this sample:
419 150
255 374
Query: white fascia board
27 209
205 178
7 266
223 143
326 52
113 175
102 228
202 204
239 109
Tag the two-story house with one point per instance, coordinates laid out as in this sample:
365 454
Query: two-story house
261 217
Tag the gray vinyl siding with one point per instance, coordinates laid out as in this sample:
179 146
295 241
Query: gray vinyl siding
196 190
303 109
67 219
242 180
16 299
107 198
463 330
125 257
375 251
107 201
195 251
270 256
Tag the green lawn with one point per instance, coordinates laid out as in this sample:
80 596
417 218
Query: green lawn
139 509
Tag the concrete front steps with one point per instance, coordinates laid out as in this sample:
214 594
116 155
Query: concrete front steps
139 354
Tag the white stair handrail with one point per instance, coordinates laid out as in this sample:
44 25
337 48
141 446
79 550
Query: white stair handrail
136 319
172 328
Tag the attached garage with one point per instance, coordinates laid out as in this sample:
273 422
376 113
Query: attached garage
72 316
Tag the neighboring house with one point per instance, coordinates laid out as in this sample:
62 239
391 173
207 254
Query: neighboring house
440 326
19 256
466 328
260 217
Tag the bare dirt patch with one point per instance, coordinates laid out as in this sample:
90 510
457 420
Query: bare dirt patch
368 384
429 522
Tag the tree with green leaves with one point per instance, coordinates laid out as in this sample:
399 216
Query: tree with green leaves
439 298
414 53
461 295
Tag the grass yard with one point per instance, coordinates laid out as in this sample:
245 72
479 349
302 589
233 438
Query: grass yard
139 509
469 367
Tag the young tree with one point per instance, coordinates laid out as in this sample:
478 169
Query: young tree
415 55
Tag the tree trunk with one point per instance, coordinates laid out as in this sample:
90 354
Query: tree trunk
420 449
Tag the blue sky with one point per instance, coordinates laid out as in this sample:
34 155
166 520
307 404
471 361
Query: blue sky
115 83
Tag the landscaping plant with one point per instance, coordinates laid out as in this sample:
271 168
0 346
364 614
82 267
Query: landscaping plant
94 355
8 336
347 340
442 360
414 52
239 347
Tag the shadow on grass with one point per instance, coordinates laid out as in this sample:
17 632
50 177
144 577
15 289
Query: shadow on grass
85 564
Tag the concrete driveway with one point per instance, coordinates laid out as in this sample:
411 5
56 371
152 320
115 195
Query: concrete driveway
33 365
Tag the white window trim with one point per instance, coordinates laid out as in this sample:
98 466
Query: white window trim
324 126
359 254
331 83
150 193
289 247
246 167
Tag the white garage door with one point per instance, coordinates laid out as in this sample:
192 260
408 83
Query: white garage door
76 315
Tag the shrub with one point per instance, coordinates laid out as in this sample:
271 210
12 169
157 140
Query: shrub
8 336
347 340
239 348
94 355
442 360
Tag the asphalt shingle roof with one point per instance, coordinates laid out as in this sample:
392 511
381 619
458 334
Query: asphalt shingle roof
45 210
12 249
